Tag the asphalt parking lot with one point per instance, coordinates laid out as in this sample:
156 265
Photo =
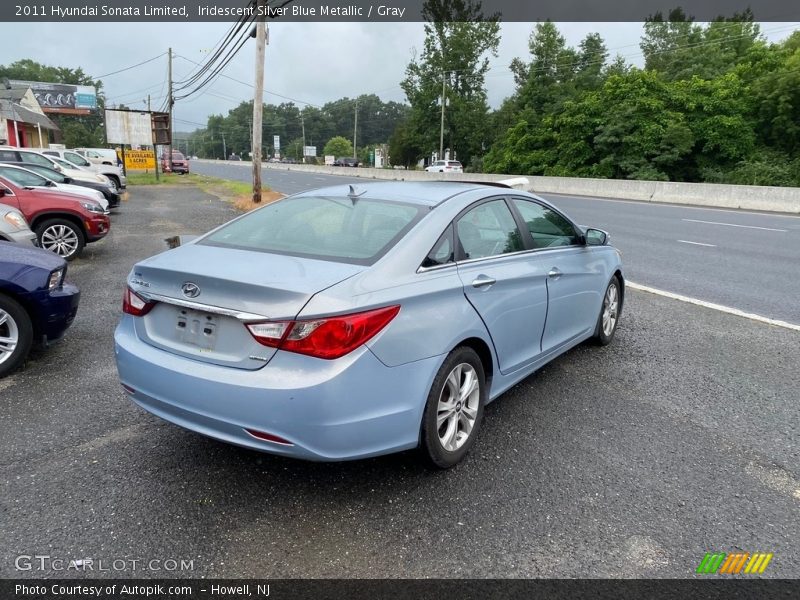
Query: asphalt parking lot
682 437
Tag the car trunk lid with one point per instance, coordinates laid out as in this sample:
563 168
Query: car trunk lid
205 294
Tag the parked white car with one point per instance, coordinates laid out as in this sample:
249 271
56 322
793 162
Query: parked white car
113 172
445 166
99 156
28 179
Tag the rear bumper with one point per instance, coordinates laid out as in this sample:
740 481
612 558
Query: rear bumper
349 408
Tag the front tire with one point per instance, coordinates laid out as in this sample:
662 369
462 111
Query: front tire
609 313
16 335
62 237
454 409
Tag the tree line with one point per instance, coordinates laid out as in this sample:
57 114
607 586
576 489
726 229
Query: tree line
713 102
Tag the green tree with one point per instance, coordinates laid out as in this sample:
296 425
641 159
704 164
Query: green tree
338 146
458 38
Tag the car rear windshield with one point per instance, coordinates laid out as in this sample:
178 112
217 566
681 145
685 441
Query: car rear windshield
338 229
177 156
454 163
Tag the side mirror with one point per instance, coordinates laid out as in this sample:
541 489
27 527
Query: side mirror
596 237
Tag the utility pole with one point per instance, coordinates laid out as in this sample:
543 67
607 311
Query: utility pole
171 102
441 128
155 148
303 125
224 148
355 131
258 101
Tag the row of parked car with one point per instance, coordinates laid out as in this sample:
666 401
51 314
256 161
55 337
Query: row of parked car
58 200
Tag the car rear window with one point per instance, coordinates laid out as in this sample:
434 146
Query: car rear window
454 163
177 156
338 229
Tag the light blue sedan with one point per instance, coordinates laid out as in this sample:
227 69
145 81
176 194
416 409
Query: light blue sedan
350 322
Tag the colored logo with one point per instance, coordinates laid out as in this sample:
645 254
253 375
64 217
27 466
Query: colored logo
735 563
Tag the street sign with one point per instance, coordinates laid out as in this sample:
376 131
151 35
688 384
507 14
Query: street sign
276 142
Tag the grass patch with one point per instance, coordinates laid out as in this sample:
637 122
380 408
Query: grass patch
238 192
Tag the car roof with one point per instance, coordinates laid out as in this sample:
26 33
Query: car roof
425 193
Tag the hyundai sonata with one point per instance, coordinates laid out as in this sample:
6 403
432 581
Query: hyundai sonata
350 322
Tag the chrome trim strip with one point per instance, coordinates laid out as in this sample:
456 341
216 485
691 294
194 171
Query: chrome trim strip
496 256
218 310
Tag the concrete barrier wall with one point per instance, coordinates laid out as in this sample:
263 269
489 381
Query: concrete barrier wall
748 197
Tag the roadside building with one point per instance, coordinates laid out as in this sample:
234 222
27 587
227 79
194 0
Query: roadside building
23 123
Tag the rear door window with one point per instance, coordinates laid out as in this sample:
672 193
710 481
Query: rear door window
488 230
36 159
547 228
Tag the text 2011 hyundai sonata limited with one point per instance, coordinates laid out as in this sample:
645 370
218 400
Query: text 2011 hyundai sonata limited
349 322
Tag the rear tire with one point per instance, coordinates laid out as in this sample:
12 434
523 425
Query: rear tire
62 237
454 409
608 319
16 335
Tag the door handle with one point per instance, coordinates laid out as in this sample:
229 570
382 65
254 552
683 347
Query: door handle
554 273
483 281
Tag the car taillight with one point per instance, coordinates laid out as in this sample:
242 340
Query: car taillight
134 304
328 338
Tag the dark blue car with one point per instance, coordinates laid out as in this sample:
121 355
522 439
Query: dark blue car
36 305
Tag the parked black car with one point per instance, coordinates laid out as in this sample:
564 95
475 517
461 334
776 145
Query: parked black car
110 195
36 304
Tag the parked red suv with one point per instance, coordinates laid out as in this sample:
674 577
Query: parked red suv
180 164
63 222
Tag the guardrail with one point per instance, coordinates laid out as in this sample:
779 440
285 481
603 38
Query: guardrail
747 197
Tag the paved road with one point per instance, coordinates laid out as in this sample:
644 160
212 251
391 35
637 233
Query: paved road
749 261
631 460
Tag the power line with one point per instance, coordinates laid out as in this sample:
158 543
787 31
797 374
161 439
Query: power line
144 62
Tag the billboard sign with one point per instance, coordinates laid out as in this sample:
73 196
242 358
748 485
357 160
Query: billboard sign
309 150
64 98
129 127
276 142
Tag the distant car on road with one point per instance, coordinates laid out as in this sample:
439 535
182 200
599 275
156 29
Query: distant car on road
63 222
346 161
36 304
180 164
14 227
354 321
445 166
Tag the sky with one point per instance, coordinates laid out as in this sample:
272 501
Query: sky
308 62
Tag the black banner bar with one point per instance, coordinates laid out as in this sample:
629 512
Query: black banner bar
380 10
361 589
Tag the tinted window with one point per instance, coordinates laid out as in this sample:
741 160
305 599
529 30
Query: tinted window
548 228
22 178
489 230
37 159
336 229
442 251
177 156
8 156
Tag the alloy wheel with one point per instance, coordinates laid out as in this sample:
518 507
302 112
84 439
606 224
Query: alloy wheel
9 336
610 309
458 406
60 239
